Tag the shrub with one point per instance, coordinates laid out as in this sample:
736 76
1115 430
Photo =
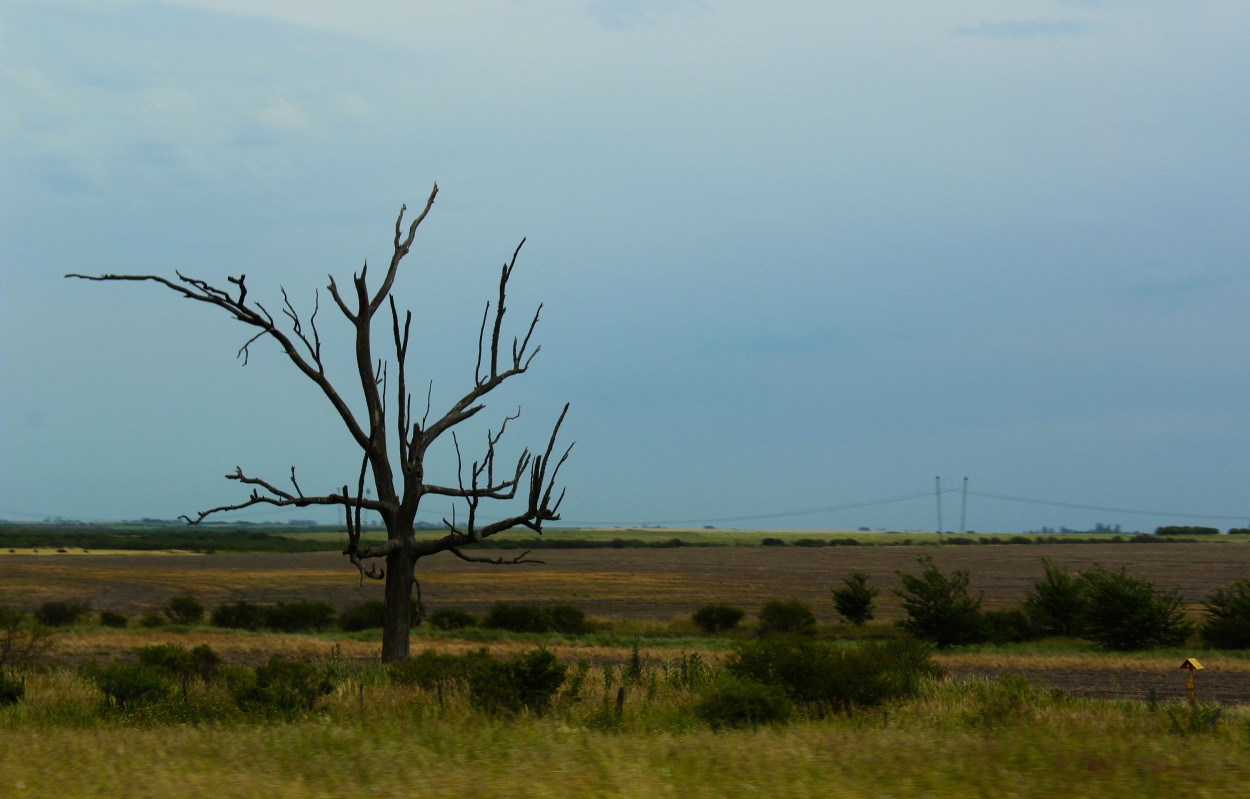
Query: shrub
1056 604
62 613
516 618
743 702
12 690
128 685
522 682
854 599
21 644
184 609
452 619
152 620
283 688
717 618
790 616
109 618
431 668
367 615
1123 612
823 678
179 663
239 615
371 615
1227 625
939 608
1239 531
773 542
1010 626
301 616
567 619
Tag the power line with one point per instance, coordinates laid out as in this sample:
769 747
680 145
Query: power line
1077 506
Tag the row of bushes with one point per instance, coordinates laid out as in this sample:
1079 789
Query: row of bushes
1112 608
764 680
303 616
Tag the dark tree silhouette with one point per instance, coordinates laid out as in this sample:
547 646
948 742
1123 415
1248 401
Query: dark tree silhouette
393 440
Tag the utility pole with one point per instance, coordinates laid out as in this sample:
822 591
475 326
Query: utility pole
963 509
938 494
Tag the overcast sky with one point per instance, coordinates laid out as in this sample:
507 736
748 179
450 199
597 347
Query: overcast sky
795 256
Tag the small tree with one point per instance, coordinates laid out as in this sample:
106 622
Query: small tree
1227 625
939 608
394 437
854 600
791 616
717 617
1055 604
1124 613
184 609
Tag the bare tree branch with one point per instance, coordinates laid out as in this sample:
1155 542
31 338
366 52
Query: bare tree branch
397 498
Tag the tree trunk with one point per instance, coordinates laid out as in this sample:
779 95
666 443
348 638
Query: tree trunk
397 621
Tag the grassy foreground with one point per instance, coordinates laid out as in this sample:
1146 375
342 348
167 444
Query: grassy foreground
370 738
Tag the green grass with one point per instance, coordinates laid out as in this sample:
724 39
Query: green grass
965 739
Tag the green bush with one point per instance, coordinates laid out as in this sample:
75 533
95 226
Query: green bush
567 619
1009 626
179 663
62 613
301 616
718 618
1056 604
854 599
152 620
109 618
742 702
1227 625
939 608
22 644
429 669
516 618
12 690
184 609
129 685
823 678
368 615
1124 613
790 617
452 619
239 615
282 688
522 682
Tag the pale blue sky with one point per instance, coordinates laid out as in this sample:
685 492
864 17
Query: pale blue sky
794 256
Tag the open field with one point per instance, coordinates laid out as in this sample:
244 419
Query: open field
656 584
968 736
660 587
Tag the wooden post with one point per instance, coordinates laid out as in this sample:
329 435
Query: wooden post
1191 665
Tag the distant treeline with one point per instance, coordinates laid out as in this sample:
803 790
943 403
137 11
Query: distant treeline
195 539
1182 530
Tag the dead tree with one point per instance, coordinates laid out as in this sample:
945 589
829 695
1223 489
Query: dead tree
393 440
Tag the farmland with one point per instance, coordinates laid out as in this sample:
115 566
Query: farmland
1113 731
